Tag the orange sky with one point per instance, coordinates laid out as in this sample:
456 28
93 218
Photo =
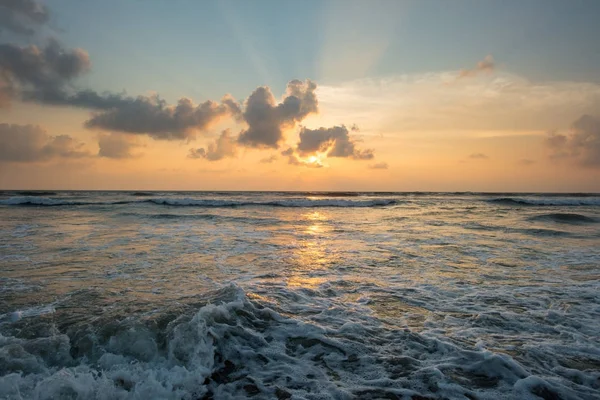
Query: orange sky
480 127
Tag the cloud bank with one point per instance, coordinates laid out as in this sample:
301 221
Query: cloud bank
30 143
581 145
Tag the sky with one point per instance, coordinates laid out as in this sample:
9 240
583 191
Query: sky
378 95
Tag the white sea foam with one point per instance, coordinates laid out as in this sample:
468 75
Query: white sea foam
237 347
117 299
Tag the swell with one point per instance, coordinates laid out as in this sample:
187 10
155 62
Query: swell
212 203
550 202
204 217
564 218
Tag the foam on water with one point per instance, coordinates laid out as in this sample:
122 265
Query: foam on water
237 347
439 296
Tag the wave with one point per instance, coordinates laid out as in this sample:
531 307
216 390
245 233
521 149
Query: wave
554 202
142 194
303 203
39 201
563 218
35 193
232 346
211 203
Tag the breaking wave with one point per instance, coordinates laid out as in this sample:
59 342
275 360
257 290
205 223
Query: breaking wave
510 201
235 347
174 202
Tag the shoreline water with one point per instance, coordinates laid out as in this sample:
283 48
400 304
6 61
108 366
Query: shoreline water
381 296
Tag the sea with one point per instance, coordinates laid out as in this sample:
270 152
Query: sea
299 295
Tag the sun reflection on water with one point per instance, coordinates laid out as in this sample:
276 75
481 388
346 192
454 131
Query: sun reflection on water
311 256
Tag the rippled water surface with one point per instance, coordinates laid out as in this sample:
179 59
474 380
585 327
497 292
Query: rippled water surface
116 295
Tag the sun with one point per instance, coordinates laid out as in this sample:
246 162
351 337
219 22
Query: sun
313 159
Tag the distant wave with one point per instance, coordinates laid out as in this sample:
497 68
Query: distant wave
142 194
510 201
38 201
275 203
173 202
35 193
565 218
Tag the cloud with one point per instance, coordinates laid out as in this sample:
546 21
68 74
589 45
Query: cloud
580 145
425 102
30 143
266 119
34 73
487 65
268 160
335 141
224 146
153 116
382 165
526 161
293 159
22 16
45 75
478 156
116 145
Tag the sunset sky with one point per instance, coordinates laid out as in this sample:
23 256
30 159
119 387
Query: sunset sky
386 95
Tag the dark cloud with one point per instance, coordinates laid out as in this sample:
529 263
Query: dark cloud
581 144
335 141
35 73
268 160
22 16
116 145
45 75
29 143
153 116
382 165
224 146
478 156
266 119
487 65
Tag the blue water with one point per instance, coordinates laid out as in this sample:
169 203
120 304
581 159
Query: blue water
199 295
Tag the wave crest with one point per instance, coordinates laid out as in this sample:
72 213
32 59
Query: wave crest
554 202
212 203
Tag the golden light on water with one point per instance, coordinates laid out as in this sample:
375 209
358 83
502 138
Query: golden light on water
311 255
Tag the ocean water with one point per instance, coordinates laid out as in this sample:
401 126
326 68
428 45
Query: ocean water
208 295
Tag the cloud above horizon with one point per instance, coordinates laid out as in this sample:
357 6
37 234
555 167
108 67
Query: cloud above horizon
48 75
478 156
487 65
152 116
580 145
22 17
116 146
382 165
224 146
36 74
266 120
31 143
335 142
